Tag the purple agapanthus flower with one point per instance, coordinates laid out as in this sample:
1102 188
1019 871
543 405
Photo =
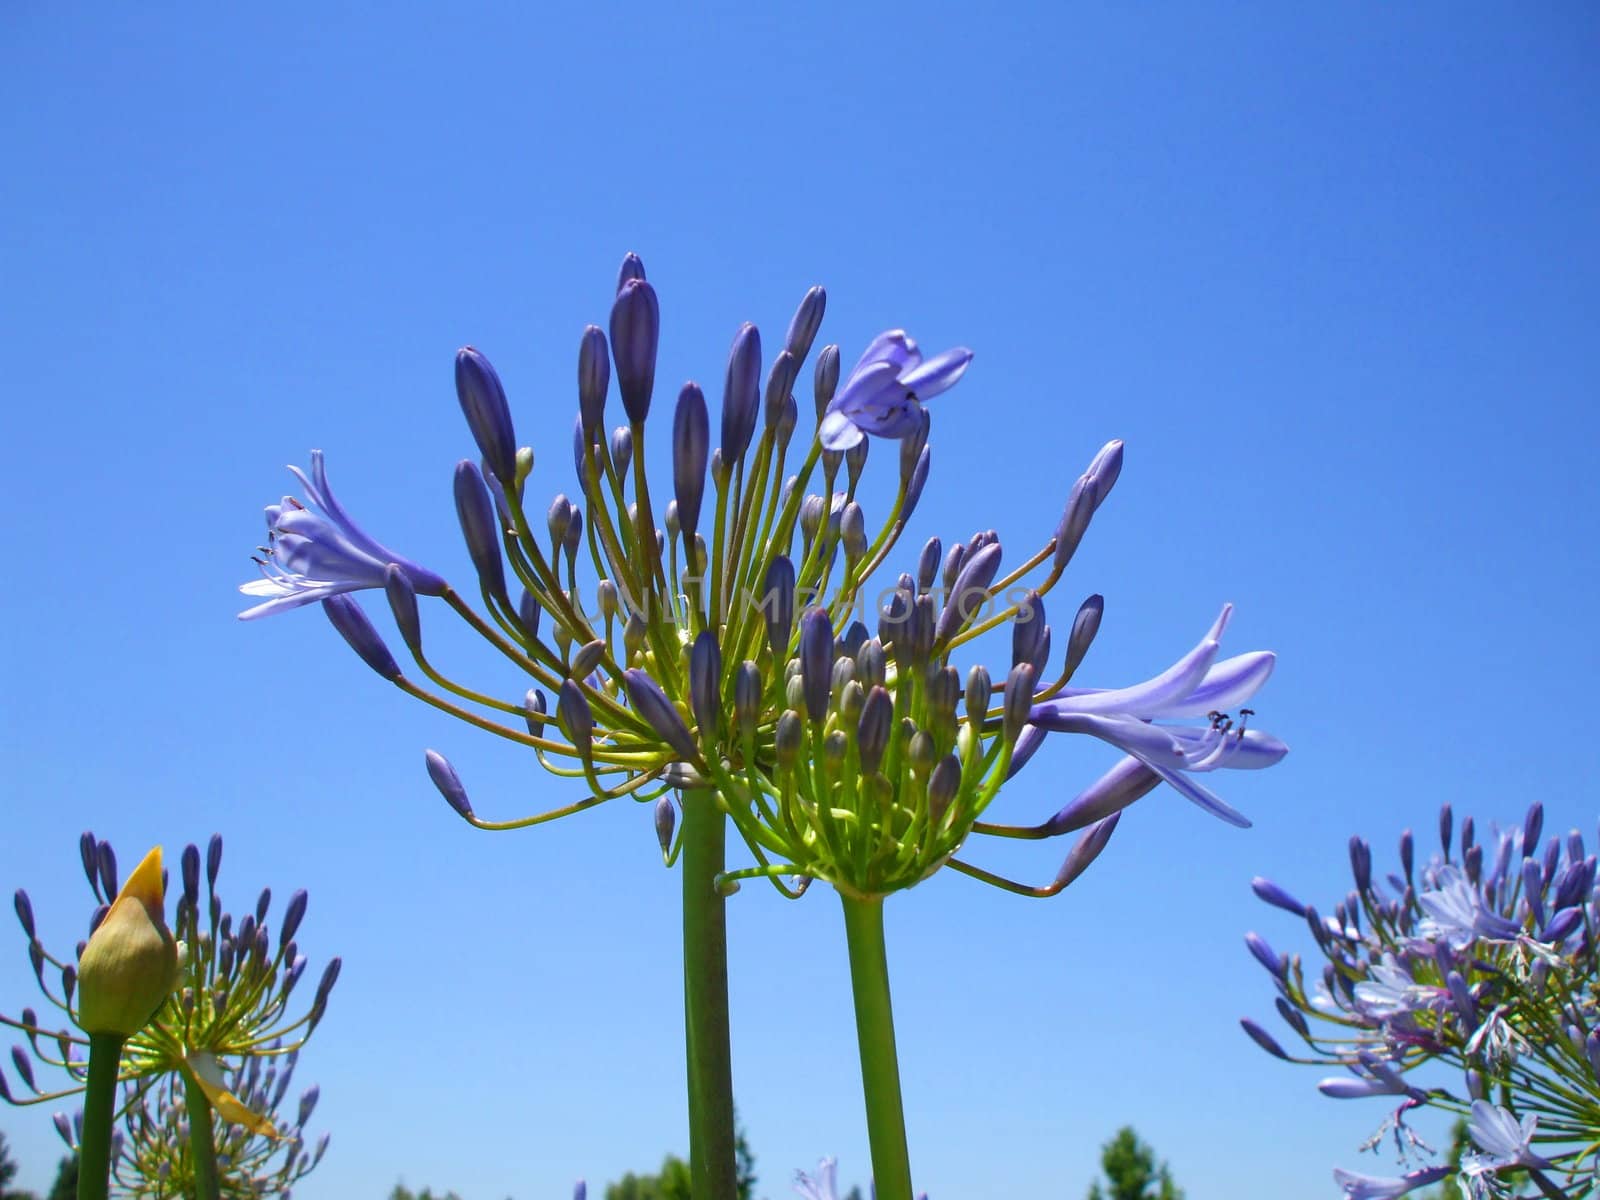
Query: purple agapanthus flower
821 1186
1194 686
1505 1142
1373 1187
1456 914
1389 991
314 550
883 395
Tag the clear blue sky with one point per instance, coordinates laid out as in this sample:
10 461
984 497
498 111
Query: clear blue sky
1332 274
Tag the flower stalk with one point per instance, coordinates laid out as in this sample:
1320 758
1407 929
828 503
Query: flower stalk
705 999
202 1141
880 1066
99 1115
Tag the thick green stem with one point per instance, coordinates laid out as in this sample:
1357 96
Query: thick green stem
705 1001
99 1114
202 1141
880 1068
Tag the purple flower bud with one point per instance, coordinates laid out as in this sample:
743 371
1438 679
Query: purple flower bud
479 528
777 605
594 378
24 908
1591 1050
943 786
622 448
1532 826
855 461
928 563
853 528
1533 889
1562 925
1461 998
1361 864
666 818
1074 522
191 874
1552 856
483 402
346 616
1027 629
213 860
1019 698
650 702
805 323
577 721
1264 954
1086 850
705 683
632 268
292 916
635 332
911 448
1407 853
1262 1038
816 661
919 634
1468 835
1276 896
740 392
330 976
263 903
1472 862
747 691
574 537
979 690
1293 1016
403 604
780 383
827 378
1104 470
308 1104
970 593
787 736
914 485
88 853
447 781
533 711
106 859
783 427
1574 845
587 658
872 731
1445 820
64 1129
24 1066
557 518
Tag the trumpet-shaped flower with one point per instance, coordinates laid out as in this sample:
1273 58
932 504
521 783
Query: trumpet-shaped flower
1457 915
1373 1187
883 395
314 551
1505 1142
1196 685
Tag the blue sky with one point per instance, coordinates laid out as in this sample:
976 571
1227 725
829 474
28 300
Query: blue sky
1331 274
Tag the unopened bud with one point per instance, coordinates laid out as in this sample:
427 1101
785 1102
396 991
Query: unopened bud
130 964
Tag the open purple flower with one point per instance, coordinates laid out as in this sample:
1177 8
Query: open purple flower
1373 1187
1194 686
314 551
1505 1142
1456 914
883 395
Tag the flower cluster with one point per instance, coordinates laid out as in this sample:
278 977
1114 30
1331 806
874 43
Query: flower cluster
225 1030
1481 964
154 1159
720 650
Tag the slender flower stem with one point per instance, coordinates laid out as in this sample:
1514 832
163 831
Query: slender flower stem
99 1114
202 1142
705 1000
880 1068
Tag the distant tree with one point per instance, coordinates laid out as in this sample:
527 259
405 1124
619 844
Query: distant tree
672 1181
66 1185
1131 1171
854 1193
8 1172
401 1192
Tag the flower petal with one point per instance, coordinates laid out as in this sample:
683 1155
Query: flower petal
1155 697
938 374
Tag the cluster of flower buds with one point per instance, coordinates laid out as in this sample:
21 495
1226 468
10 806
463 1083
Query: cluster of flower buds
153 1158
718 646
229 1009
1470 983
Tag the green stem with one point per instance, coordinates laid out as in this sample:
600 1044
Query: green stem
880 1069
99 1114
705 1001
202 1142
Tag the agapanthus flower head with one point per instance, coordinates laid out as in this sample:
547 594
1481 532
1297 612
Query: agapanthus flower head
228 1005
729 651
1459 967
264 1156
315 550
